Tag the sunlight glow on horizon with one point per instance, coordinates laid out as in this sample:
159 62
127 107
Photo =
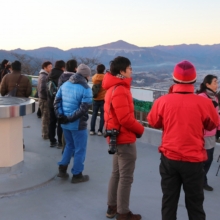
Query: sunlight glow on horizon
87 23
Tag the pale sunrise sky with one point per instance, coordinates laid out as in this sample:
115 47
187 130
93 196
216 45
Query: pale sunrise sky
30 24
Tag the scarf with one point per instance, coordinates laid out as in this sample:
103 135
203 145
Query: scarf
120 76
212 96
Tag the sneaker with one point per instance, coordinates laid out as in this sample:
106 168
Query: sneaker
79 178
207 187
53 144
59 146
99 133
92 133
45 137
111 211
128 216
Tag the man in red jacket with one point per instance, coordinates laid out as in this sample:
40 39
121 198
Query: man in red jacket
119 116
183 116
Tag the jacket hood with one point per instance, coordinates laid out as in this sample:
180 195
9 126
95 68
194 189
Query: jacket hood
79 79
55 74
110 80
98 77
43 71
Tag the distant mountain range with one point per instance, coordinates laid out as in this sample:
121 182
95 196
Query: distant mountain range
142 58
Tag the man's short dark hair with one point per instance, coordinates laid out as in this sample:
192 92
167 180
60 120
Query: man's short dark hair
16 65
45 64
71 66
119 64
60 64
100 68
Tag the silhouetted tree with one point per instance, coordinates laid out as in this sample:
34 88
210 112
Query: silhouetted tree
91 62
30 65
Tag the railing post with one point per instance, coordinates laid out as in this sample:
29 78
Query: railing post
141 117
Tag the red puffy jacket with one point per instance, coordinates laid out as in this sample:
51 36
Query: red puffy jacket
183 116
119 109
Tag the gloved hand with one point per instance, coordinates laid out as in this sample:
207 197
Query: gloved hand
138 135
63 119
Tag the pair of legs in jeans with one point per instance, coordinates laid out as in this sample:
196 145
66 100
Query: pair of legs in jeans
76 143
174 174
122 177
97 106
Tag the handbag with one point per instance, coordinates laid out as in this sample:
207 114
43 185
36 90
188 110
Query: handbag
13 92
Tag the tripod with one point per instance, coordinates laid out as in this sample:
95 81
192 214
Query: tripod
218 166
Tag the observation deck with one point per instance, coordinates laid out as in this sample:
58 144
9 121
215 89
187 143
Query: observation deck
42 195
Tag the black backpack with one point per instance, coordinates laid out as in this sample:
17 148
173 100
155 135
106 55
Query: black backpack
95 89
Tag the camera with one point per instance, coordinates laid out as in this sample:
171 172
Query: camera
112 134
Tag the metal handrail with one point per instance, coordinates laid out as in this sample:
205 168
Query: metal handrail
139 114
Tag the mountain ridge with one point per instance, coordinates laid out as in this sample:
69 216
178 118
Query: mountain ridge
203 56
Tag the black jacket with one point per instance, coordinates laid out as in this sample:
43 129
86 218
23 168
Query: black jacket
64 77
53 76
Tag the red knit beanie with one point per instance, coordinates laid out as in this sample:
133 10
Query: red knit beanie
184 72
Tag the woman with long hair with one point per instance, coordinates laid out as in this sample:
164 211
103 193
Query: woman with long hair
208 89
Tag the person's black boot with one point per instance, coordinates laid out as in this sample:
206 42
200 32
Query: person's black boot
79 178
62 172
207 187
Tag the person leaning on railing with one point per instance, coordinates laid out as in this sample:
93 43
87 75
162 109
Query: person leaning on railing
10 80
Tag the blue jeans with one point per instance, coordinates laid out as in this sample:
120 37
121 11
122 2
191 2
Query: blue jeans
97 105
76 143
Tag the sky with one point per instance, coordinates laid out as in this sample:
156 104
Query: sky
66 24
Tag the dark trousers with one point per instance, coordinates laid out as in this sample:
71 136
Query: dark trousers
207 163
97 106
38 112
174 174
53 127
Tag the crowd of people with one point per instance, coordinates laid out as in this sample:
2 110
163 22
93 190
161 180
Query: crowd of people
189 120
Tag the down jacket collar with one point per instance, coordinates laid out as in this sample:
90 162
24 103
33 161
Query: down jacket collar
181 88
110 80
79 79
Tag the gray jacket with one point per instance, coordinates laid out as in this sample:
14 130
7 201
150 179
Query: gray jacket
42 85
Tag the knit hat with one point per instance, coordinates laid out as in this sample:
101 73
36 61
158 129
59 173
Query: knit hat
84 70
184 72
